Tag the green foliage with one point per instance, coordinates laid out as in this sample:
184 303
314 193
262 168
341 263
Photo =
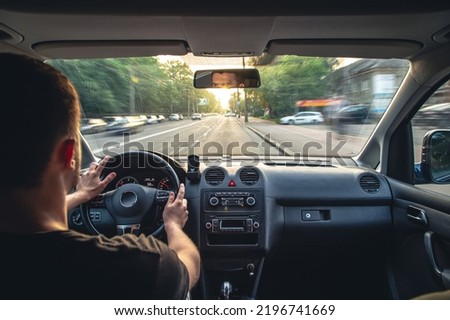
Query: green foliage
148 86
135 86
289 79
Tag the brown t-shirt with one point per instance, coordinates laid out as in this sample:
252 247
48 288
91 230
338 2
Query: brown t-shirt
71 265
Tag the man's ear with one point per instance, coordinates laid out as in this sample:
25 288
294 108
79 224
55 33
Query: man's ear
67 153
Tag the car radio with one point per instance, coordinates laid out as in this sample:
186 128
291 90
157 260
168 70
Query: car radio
232 217
233 224
231 199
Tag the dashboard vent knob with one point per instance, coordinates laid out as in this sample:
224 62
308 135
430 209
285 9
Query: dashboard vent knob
369 183
214 176
249 176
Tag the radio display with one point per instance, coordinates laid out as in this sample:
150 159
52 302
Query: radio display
232 202
232 224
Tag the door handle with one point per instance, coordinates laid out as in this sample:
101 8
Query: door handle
440 273
417 215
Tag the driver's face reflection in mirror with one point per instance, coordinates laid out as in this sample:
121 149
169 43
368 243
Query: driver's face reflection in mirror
225 80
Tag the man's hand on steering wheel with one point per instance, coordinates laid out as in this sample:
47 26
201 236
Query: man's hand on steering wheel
89 185
132 207
175 213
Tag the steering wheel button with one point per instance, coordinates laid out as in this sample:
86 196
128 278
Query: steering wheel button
97 201
95 216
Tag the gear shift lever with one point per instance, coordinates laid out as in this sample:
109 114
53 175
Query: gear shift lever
225 290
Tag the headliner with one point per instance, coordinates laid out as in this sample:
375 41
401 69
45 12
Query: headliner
102 28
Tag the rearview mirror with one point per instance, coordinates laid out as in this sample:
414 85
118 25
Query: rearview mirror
436 156
227 78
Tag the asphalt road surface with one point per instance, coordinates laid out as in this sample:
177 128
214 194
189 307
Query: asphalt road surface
215 136
219 135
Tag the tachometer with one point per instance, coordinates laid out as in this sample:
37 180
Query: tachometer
166 184
126 180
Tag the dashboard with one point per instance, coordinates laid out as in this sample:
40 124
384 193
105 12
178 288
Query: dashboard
274 218
241 216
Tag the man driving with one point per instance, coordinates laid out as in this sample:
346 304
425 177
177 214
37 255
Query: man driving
40 255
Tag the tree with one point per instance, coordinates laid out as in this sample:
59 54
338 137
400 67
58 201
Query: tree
144 85
289 79
99 84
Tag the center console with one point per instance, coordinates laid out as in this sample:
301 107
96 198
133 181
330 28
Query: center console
232 241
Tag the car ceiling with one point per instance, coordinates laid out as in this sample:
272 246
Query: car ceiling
80 29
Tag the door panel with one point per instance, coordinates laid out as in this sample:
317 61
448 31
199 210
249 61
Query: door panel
417 212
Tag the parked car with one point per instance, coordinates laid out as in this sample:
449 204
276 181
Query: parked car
111 119
303 117
114 122
436 115
161 118
92 125
127 124
196 116
352 114
152 119
174 117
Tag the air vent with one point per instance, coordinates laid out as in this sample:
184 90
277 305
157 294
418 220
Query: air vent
369 183
249 176
214 176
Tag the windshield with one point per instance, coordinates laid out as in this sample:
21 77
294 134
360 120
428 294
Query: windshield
305 107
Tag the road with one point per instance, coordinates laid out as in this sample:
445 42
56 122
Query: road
215 136
315 139
218 135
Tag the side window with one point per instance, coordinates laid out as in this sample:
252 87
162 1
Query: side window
433 115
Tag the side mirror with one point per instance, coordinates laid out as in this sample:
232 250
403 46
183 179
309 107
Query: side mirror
435 164
227 78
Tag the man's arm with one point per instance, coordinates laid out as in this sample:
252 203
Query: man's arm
89 185
175 216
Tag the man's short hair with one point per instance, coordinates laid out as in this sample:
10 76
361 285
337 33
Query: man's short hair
39 106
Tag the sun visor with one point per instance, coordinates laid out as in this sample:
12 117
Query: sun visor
346 48
109 49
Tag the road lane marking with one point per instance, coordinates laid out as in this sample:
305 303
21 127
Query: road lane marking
121 144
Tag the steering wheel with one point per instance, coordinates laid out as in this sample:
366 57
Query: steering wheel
132 206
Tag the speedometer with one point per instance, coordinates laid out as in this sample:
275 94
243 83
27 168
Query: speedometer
126 180
166 184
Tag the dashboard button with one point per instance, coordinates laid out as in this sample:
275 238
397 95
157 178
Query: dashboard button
250 201
311 215
214 201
